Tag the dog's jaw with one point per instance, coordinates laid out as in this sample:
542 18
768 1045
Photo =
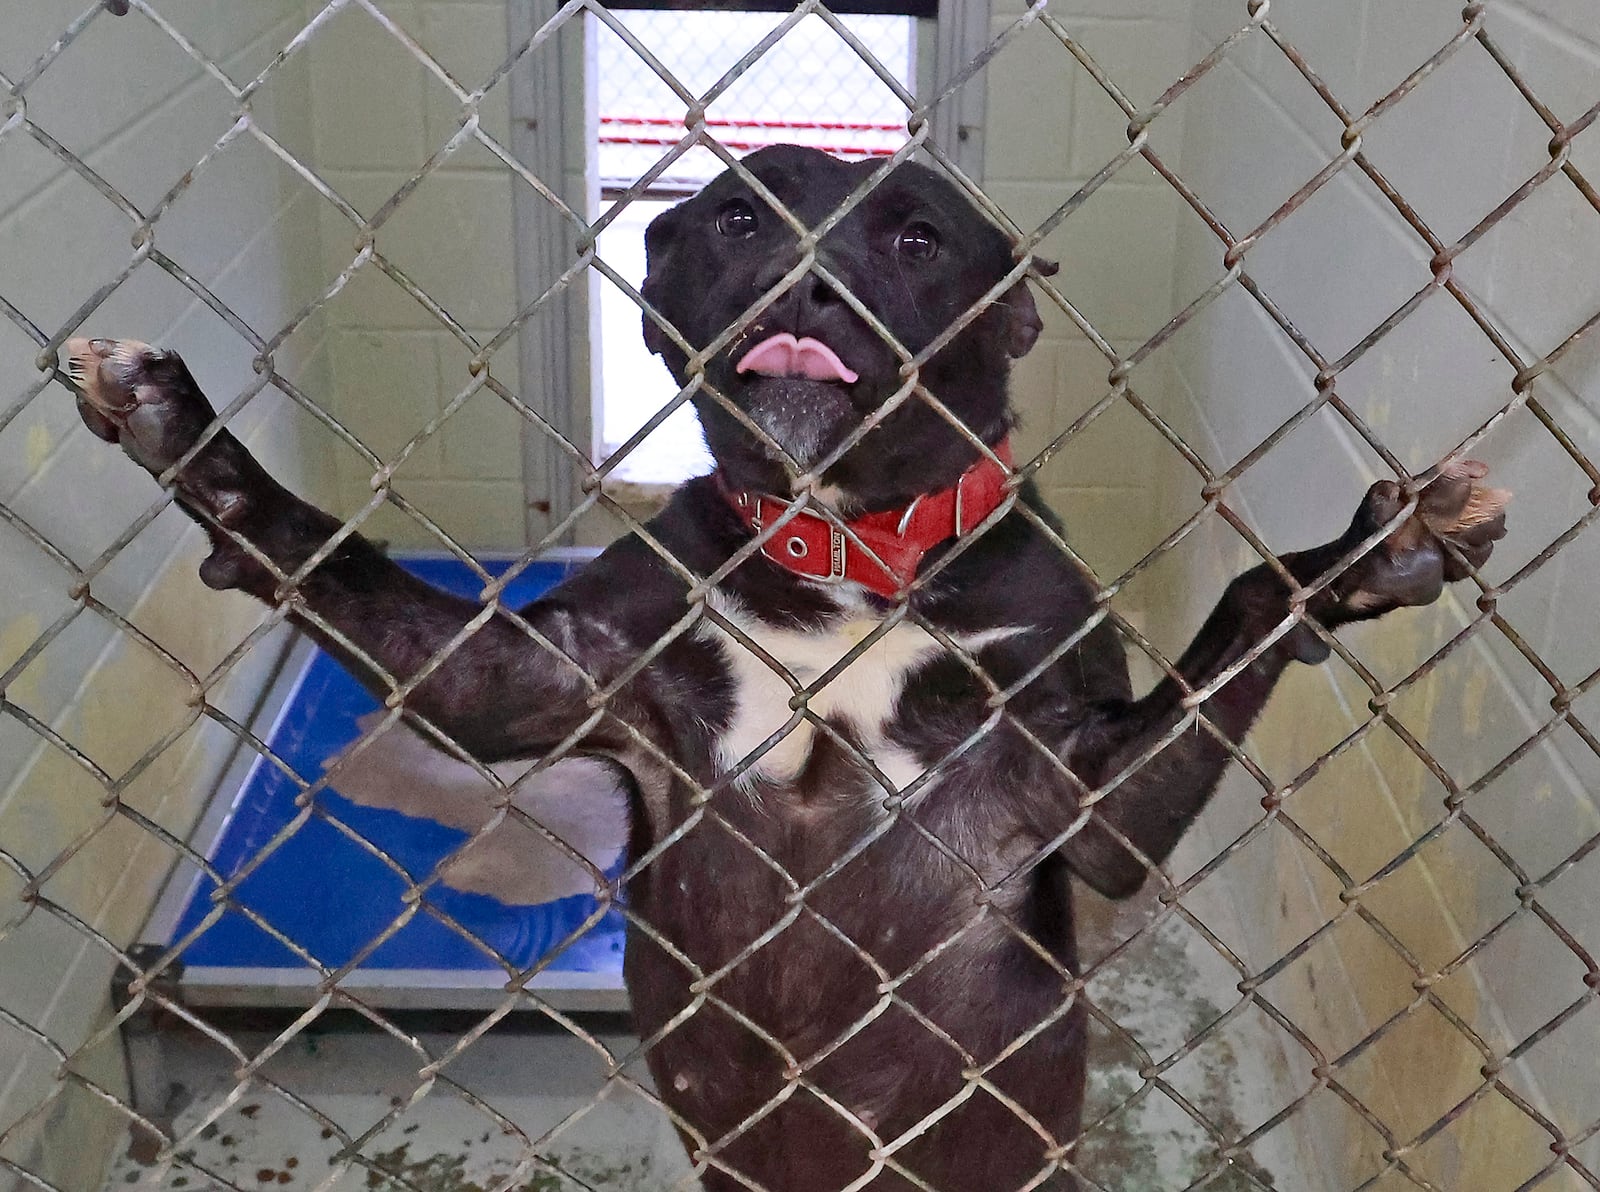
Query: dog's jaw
797 391
806 418
907 455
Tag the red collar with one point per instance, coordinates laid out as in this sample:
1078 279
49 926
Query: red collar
810 545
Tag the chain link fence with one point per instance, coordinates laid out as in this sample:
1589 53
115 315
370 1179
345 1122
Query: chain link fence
60 1076
805 93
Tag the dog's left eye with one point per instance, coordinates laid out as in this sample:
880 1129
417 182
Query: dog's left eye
737 219
918 240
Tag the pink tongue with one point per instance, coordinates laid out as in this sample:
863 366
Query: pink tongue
783 355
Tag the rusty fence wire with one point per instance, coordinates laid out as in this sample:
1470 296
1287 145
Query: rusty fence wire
1566 1157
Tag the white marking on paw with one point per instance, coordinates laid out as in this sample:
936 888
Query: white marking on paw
578 799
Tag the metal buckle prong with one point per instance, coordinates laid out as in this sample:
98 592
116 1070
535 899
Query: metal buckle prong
905 518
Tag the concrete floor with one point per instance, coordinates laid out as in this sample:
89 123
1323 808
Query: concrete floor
1162 991
450 1141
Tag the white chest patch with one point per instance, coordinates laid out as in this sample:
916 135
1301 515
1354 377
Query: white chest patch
861 696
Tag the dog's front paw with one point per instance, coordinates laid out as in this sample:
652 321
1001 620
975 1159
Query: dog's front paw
1449 535
139 397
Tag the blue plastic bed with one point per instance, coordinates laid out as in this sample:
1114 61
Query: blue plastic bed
328 894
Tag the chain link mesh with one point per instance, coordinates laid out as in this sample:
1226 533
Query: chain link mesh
1565 1152
809 90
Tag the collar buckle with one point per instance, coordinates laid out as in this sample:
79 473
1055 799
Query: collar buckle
894 541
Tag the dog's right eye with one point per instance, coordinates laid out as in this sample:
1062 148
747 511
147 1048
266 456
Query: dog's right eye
737 219
918 240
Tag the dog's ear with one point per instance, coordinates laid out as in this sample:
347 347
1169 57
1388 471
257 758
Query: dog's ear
661 242
1025 323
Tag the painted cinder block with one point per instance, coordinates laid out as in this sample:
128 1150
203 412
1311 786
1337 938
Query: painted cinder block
1457 147
141 112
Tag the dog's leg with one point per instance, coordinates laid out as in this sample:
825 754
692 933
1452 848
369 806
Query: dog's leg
1153 805
497 693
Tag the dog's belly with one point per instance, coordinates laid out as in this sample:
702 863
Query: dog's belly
866 994
880 987
838 1015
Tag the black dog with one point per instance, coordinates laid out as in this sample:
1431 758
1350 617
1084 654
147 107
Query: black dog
854 966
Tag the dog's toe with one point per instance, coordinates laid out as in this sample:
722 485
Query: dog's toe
1458 507
139 396
107 370
99 425
1466 514
1449 535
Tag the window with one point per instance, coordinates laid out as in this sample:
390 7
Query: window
811 88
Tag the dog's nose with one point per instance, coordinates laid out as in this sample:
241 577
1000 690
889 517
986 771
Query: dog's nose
809 298
817 293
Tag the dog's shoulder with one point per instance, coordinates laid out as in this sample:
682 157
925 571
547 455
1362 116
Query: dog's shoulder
1018 577
643 579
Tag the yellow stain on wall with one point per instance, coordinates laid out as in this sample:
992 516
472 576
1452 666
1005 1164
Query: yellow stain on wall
38 446
16 636
1380 413
1366 807
1380 406
129 704
1474 694
130 701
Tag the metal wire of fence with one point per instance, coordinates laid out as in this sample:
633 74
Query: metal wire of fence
699 131
840 107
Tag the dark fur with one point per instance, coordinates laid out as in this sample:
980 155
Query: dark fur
997 805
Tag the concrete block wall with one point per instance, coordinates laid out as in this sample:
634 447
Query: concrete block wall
1253 132
1050 128
140 112
381 114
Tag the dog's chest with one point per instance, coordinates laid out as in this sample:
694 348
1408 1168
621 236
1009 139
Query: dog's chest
772 735
765 736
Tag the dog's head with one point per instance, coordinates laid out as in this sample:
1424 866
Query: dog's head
808 369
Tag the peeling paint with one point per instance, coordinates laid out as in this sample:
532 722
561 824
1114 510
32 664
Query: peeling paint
1158 994
444 1144
455 1172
